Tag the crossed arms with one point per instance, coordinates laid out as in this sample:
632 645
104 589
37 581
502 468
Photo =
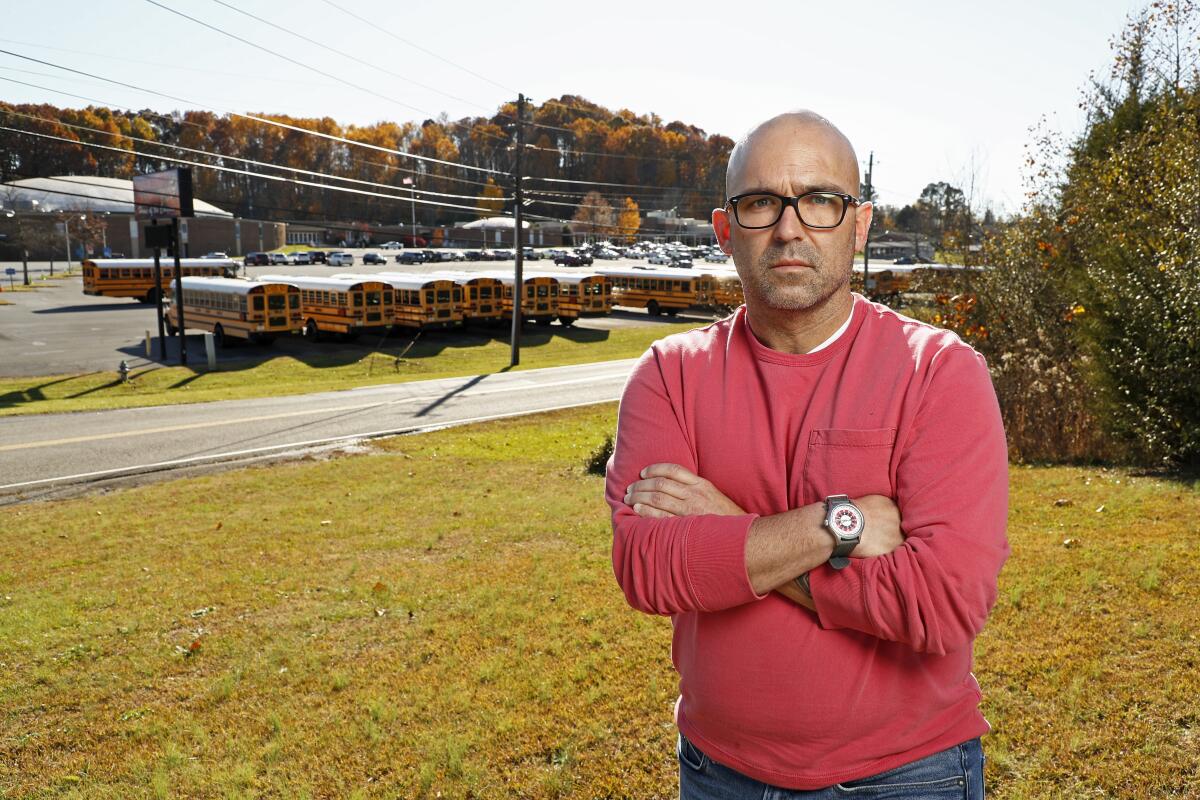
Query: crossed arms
681 544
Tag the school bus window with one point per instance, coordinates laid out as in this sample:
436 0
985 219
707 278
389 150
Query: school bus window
358 299
458 295
443 296
258 302
294 301
474 293
387 298
372 298
277 302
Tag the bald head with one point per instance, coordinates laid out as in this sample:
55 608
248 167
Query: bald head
794 138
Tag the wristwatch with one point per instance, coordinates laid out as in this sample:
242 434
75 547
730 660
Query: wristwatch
845 521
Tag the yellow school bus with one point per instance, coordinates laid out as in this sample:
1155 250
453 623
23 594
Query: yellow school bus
340 305
582 294
422 301
540 303
726 287
134 277
483 297
236 309
659 290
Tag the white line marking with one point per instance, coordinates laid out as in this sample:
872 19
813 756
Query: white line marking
311 443
285 414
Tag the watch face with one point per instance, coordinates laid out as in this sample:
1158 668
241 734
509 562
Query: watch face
847 522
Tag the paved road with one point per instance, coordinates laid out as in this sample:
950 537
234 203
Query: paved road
50 450
59 330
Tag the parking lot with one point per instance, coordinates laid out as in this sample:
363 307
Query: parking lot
60 330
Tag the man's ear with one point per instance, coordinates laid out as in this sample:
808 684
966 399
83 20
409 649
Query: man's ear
720 223
862 224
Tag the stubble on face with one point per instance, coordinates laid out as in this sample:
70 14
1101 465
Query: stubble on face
794 288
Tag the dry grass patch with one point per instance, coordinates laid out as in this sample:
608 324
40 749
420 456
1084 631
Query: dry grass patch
441 616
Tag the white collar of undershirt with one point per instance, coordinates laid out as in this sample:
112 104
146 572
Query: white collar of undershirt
836 334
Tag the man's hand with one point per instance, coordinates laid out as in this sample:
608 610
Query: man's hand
881 534
669 490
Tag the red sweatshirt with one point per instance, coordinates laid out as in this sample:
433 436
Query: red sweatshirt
881 674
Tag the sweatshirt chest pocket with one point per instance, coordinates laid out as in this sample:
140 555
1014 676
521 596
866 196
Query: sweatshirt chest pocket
850 462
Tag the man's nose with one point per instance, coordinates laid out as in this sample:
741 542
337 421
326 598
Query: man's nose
789 226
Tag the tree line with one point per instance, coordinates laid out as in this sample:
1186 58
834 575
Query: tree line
655 164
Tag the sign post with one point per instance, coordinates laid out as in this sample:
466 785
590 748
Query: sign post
166 195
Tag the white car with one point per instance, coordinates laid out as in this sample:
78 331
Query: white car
341 260
659 258
716 257
278 258
391 246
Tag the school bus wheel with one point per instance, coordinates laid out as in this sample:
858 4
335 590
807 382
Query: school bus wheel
653 308
566 321
151 296
219 337
311 332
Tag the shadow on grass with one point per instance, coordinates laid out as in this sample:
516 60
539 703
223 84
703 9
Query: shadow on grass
35 393
375 351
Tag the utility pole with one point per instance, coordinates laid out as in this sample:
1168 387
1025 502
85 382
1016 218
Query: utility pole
518 240
177 303
867 244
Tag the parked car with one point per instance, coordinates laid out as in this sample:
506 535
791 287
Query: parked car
572 260
505 255
340 259
391 246
607 254
257 259
215 255
301 257
430 256
473 255
555 253
278 258
716 257
411 257
318 257
487 255
373 258
912 260
682 262
529 254
659 258
456 256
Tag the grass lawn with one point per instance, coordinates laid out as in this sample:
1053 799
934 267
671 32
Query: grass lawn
301 367
441 616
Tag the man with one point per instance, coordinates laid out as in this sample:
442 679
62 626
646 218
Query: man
815 490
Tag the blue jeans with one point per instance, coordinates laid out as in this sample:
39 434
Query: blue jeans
953 774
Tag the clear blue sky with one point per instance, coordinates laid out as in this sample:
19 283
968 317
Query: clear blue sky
931 88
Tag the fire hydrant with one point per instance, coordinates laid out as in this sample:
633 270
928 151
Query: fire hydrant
123 370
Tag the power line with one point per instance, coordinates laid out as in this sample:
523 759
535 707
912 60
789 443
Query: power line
343 55
307 66
227 201
278 178
263 120
143 113
249 161
419 47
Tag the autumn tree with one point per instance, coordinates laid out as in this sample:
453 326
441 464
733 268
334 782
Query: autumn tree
629 220
491 199
596 213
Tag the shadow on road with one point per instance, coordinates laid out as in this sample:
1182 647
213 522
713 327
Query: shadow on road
92 307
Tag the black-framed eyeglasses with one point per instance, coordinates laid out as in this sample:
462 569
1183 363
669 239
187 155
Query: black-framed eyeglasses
756 210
